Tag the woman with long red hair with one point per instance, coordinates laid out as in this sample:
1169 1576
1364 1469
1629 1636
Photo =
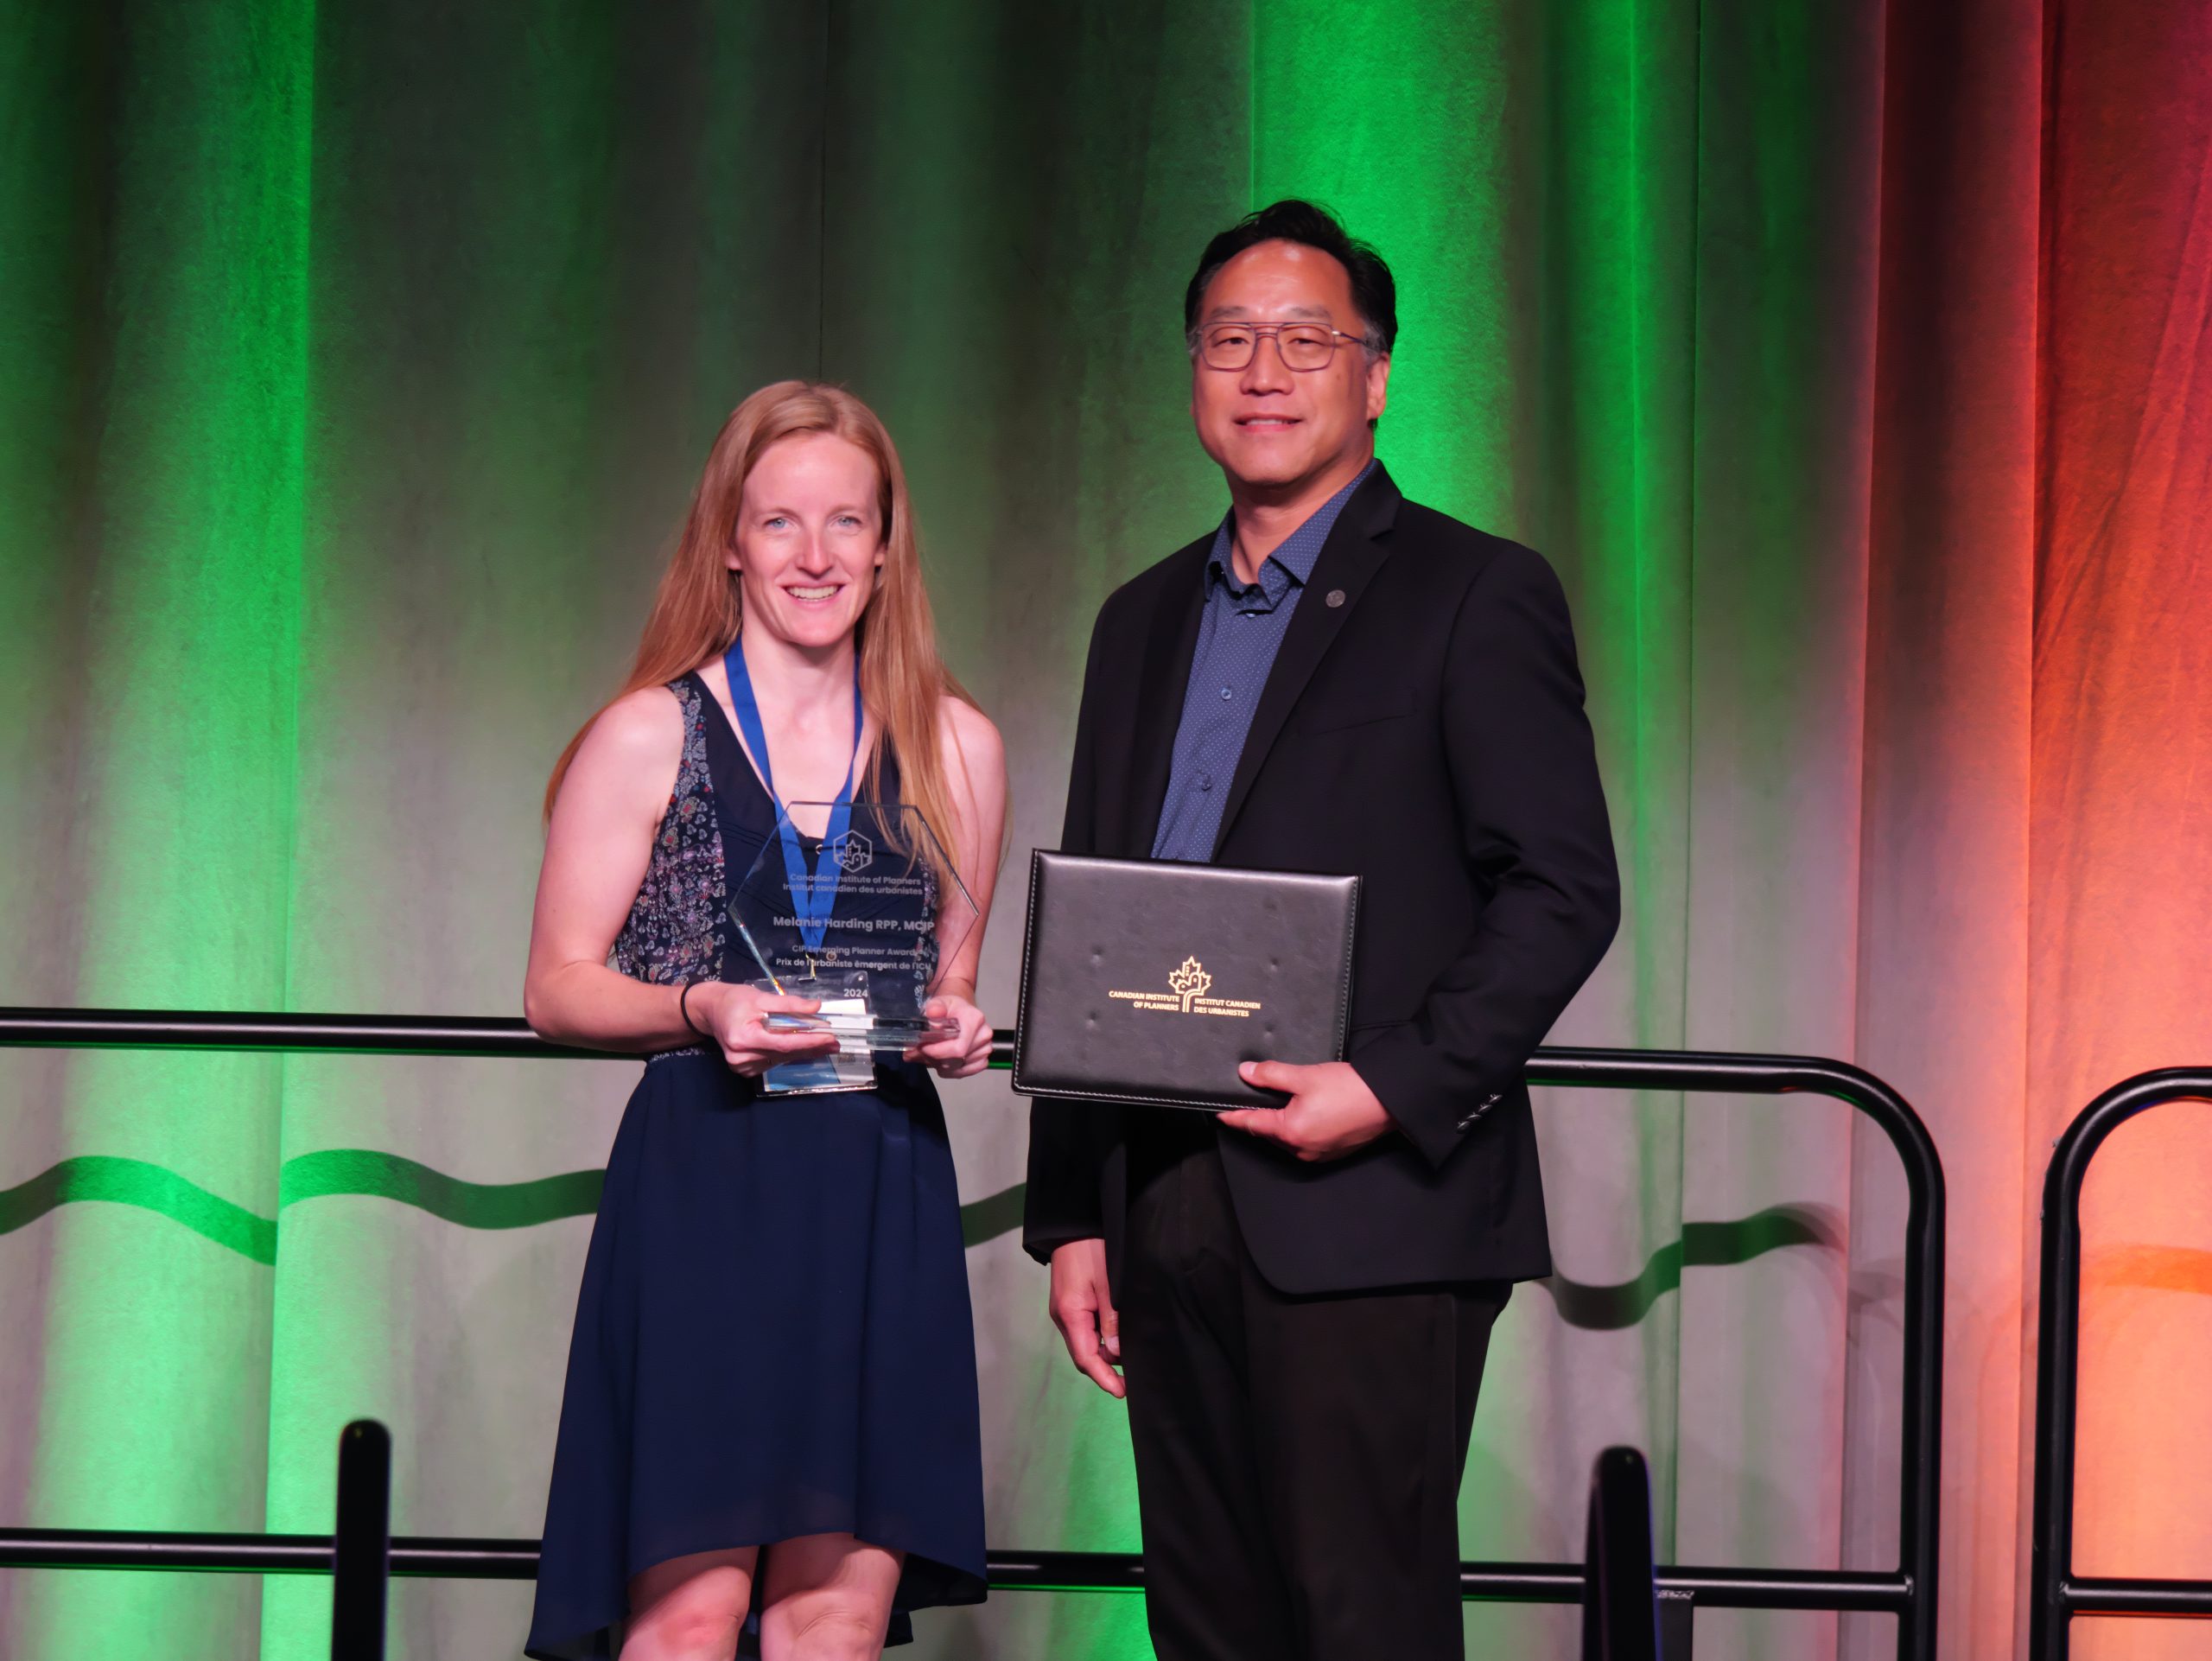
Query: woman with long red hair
770 1420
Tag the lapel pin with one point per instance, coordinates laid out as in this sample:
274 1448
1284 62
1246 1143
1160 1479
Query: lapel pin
1336 597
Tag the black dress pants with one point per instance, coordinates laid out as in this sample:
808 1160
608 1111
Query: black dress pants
1298 1458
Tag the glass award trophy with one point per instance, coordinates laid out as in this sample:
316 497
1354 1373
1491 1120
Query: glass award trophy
854 904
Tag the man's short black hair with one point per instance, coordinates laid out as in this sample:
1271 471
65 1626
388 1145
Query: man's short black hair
1373 289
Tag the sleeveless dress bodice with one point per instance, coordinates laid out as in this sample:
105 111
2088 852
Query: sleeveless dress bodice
677 928
773 1335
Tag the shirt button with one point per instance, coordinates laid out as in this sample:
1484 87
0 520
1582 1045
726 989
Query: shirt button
1206 782
1226 695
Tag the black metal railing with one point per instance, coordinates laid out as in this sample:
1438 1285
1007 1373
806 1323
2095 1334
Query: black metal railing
2055 1593
360 1551
1907 1592
1620 1606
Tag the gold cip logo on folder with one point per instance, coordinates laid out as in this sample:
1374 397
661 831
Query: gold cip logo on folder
1186 996
1189 981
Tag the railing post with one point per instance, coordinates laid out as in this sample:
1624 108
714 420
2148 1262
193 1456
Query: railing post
1620 1604
360 1557
2053 1587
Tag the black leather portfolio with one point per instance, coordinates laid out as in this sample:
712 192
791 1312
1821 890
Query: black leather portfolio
1147 981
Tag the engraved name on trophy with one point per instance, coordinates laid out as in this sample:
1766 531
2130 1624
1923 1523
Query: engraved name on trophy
853 903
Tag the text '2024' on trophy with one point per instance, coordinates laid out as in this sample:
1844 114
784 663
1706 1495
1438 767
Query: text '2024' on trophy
857 905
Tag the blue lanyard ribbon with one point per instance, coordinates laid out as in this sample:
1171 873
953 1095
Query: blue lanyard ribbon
811 904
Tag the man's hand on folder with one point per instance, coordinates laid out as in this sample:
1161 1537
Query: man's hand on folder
1330 1110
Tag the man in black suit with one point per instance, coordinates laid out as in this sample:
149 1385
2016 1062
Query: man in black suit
1335 680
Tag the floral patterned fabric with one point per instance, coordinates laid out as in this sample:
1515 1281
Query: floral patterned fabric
673 933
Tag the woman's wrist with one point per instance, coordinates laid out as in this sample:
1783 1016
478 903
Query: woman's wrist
963 990
695 1006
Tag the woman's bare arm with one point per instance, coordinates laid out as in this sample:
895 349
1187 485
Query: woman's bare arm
975 768
596 851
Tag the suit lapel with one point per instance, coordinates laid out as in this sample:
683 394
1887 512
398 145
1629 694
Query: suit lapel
1348 561
1163 677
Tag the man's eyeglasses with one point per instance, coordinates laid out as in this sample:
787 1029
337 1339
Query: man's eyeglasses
1304 347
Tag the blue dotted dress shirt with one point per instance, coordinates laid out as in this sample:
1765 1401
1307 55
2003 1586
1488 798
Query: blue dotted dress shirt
1240 631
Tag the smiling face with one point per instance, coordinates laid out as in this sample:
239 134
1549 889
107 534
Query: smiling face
1273 430
809 538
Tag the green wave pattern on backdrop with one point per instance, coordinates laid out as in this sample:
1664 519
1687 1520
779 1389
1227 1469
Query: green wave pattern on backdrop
575 1193
310 1176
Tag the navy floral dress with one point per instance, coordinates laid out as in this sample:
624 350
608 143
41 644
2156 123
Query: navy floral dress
773 1336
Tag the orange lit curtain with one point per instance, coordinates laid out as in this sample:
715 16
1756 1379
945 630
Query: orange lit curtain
2038 743
2120 818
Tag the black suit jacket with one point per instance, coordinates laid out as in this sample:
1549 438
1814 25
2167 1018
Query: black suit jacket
1427 733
